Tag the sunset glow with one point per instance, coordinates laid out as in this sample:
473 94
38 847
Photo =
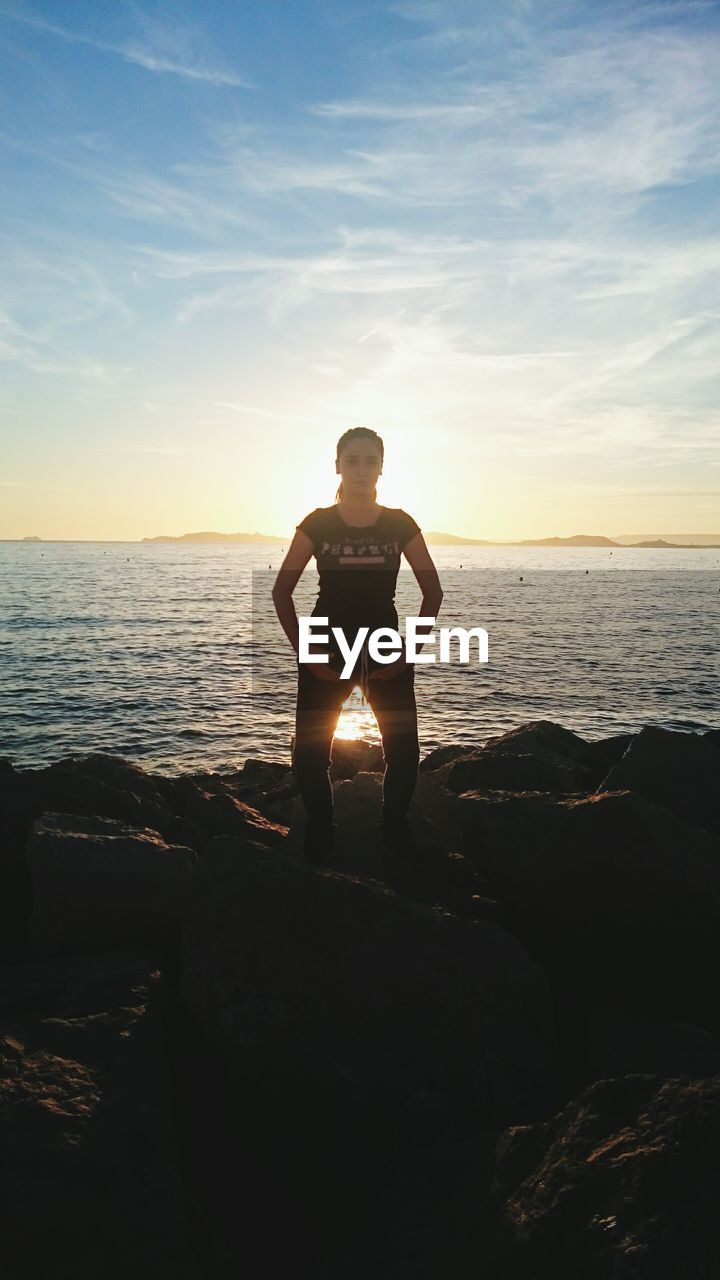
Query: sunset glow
487 231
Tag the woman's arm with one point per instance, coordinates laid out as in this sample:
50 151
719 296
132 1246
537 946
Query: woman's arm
418 557
420 561
289 573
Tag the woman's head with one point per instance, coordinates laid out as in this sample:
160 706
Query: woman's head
359 460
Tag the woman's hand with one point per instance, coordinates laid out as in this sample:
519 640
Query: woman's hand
322 671
391 670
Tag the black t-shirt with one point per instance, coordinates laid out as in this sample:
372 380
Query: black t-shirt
358 567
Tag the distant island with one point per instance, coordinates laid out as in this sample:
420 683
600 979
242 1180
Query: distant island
655 542
217 537
438 539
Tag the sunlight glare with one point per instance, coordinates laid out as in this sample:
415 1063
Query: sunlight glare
357 720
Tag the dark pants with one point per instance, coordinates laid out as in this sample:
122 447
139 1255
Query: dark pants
319 703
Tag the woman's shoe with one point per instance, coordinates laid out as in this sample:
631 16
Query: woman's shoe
319 843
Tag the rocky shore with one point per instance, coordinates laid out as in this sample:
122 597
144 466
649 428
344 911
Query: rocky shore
503 1061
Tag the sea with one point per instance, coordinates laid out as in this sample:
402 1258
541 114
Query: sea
171 655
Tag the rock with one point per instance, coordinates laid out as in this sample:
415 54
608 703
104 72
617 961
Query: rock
307 979
90 1182
423 1220
540 756
99 884
440 806
541 737
64 788
603 753
678 771
617 899
624 1181
440 873
266 786
351 756
621 1041
270 787
443 755
115 772
489 770
255 776
219 812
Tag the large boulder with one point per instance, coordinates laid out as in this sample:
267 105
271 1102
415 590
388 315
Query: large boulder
355 755
186 810
539 756
617 899
679 771
321 978
269 786
99 884
90 786
537 736
438 874
443 755
627 1040
218 812
603 753
90 1183
114 772
624 1181
350 1025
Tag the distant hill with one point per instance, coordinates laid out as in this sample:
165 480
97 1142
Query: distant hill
217 537
576 540
438 539
670 539
682 546
453 540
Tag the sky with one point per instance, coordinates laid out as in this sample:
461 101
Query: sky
233 230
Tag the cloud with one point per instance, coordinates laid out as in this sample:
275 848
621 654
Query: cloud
141 54
509 254
270 415
28 350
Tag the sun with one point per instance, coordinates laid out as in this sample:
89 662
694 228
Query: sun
357 720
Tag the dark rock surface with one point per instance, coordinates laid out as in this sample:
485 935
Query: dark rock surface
500 1059
98 883
385 1000
90 1181
631 1040
616 898
624 1181
678 771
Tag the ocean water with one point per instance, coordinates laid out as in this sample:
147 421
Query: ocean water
146 650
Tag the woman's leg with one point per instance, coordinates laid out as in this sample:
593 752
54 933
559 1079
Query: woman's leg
393 702
318 707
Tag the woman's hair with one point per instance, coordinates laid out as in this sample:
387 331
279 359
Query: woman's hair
366 433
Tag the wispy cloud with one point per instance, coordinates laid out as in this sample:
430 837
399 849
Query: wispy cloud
28 350
270 415
149 53
496 240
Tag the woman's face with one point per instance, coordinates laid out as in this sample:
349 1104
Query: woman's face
359 464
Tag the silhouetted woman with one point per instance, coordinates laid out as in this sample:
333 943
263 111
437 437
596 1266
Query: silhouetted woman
357 544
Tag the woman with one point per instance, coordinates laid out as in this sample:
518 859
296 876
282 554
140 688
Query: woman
357 544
